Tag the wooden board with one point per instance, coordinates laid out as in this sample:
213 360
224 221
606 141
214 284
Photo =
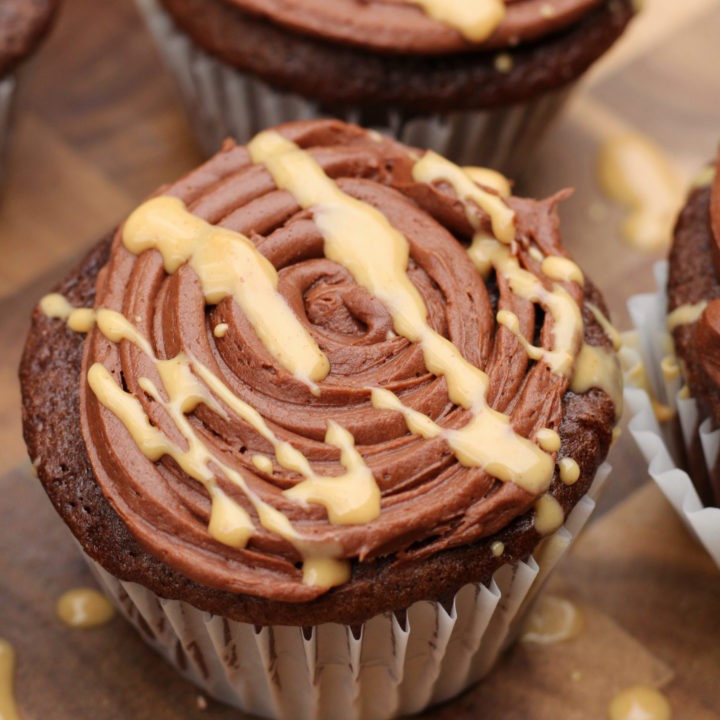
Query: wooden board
99 126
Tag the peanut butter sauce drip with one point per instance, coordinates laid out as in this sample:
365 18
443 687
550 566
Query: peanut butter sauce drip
364 397
84 607
475 19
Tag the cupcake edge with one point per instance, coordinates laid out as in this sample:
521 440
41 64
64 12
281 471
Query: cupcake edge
657 443
410 661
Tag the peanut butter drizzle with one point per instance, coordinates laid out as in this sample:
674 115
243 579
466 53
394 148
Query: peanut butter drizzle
704 178
569 470
549 515
84 608
433 168
489 178
548 439
350 498
593 367
670 368
474 19
553 619
606 325
55 305
360 238
560 268
8 708
488 253
263 463
640 702
220 330
633 171
596 367
685 315
228 265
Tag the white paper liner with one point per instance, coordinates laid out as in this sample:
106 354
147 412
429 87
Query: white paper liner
330 671
222 102
656 443
7 94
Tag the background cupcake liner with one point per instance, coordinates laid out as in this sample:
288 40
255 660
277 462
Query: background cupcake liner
7 94
394 664
223 102
659 444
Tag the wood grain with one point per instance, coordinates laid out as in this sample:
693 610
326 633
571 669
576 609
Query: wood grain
100 125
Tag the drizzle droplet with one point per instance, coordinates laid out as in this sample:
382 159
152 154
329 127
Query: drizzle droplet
84 608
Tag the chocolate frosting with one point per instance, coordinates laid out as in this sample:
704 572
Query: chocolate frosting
23 23
430 502
394 26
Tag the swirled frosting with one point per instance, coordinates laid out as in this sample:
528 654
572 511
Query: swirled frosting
423 26
326 348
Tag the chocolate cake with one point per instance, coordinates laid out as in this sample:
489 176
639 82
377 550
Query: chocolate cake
146 520
694 312
478 82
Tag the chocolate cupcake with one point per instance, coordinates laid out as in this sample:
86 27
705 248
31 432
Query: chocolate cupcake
476 81
679 331
23 24
322 415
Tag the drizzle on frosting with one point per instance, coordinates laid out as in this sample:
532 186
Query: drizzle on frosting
552 620
84 608
358 238
639 701
228 265
475 19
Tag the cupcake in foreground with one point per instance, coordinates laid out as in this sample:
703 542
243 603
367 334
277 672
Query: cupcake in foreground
23 25
322 416
476 80
679 333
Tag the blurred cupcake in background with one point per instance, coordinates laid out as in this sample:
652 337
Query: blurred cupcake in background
478 81
23 25
676 362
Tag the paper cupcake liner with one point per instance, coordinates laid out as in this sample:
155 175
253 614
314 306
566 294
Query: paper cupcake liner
660 446
7 94
386 668
223 102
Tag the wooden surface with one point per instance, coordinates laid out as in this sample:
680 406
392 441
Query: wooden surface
99 126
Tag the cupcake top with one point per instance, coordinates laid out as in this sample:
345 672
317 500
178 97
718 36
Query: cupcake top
23 24
694 290
418 57
325 375
424 27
